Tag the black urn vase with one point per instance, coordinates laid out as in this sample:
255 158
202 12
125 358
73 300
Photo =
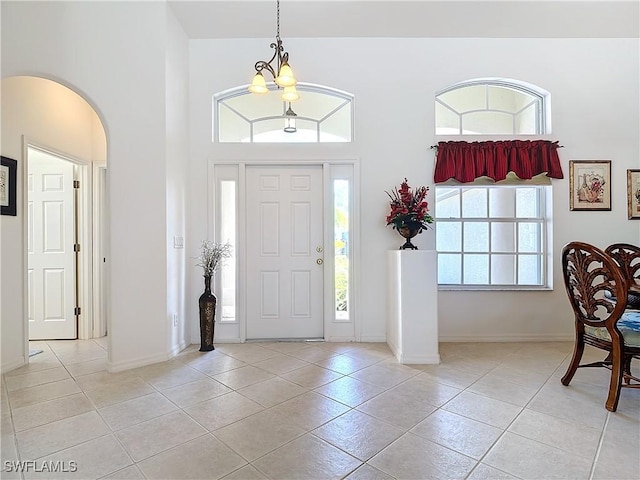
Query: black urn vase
409 231
207 303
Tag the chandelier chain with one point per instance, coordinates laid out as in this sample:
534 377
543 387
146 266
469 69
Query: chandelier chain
278 19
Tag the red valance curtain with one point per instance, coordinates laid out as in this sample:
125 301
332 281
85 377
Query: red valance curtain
466 161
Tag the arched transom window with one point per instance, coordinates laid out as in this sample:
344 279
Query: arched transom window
320 115
492 107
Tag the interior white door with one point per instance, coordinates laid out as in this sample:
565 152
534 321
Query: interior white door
284 252
51 237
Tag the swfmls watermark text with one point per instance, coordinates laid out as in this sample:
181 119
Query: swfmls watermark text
58 466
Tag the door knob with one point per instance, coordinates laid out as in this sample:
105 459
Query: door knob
319 261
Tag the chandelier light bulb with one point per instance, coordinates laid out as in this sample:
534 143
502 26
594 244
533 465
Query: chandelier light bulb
258 85
290 94
285 76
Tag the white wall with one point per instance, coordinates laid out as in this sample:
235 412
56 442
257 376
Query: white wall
113 54
49 115
595 100
177 121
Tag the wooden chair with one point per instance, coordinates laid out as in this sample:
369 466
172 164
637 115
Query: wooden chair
627 257
588 274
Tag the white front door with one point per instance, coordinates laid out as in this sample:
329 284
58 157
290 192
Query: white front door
284 252
51 236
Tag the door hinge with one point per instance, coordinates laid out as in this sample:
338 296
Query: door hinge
77 311
76 247
76 184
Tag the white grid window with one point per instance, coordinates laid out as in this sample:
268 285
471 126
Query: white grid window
491 236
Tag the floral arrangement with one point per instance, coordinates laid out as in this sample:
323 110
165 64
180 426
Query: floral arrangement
212 255
409 208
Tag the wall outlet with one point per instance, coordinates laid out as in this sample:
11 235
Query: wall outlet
175 319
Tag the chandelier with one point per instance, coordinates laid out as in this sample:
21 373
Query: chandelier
280 71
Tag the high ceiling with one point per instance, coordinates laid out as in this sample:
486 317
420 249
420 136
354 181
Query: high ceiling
414 18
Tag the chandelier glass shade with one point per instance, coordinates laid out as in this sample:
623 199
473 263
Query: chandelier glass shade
280 70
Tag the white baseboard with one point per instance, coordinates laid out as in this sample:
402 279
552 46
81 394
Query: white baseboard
12 365
339 339
373 339
138 362
224 340
178 348
506 338
419 359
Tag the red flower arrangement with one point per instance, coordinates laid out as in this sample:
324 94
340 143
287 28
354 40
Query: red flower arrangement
409 209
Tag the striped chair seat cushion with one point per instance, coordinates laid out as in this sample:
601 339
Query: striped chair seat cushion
629 326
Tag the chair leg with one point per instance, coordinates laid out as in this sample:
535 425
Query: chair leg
578 350
617 369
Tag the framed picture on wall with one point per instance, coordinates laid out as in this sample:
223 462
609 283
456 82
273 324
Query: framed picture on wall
8 174
633 194
590 184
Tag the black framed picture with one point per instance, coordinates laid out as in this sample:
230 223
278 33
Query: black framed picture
8 185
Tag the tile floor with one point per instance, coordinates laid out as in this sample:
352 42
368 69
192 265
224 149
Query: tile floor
316 411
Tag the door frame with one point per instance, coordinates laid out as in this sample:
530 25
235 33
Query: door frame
85 273
333 330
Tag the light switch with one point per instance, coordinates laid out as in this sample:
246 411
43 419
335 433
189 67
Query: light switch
178 242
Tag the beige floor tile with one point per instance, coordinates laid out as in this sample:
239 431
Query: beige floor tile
93 459
503 390
129 473
215 365
307 458
288 347
32 416
310 410
9 466
385 374
367 472
345 364
577 439
485 472
424 388
349 391
243 377
18 382
86 368
259 434
313 354
272 392
413 457
91 354
113 393
52 437
358 434
160 434
42 393
618 456
466 436
248 472
518 376
137 410
204 457
577 402
483 409
38 363
527 459
175 377
102 378
6 425
223 410
450 376
251 353
311 376
414 407
195 392
281 364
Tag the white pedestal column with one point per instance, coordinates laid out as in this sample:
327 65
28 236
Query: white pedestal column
412 318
